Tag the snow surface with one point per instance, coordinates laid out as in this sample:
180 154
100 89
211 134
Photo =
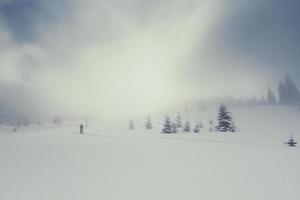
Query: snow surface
111 162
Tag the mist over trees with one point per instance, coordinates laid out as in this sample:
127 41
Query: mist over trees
288 92
271 99
8 115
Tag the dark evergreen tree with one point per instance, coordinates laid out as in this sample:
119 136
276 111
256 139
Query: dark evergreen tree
174 128
292 91
291 142
282 93
186 127
167 126
225 122
15 128
288 92
271 97
148 123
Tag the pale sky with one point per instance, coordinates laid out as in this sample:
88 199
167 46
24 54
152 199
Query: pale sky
99 57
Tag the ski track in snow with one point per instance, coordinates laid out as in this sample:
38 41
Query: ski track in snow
173 137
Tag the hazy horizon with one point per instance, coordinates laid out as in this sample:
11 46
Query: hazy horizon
102 57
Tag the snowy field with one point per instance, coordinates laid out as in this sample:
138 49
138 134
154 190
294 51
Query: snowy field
111 162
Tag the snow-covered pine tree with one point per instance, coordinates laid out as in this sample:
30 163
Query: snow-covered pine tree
225 123
186 127
167 127
271 99
291 142
197 127
131 125
178 122
174 128
148 123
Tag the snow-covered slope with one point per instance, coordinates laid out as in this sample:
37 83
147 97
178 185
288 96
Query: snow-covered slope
110 162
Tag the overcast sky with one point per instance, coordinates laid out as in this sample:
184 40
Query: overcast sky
100 56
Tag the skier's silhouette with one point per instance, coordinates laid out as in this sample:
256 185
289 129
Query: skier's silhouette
81 128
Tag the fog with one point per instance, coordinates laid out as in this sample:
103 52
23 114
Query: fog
115 58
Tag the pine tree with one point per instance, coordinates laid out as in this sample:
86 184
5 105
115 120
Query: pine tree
167 127
186 127
271 97
225 123
197 127
148 123
131 125
15 128
178 122
282 93
292 91
291 142
288 92
174 128
57 120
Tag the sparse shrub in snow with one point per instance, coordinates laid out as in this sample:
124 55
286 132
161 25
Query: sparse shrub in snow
197 127
148 123
186 127
57 120
167 127
131 125
225 123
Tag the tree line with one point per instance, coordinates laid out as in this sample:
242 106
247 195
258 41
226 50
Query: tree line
225 123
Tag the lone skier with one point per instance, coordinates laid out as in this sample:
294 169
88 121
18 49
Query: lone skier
81 128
